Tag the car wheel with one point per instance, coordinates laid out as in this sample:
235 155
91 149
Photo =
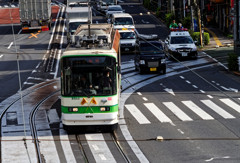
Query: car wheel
140 70
136 68
164 71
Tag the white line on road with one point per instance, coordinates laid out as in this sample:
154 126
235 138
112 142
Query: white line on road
1 56
157 112
201 113
137 114
97 140
145 99
10 45
231 104
19 31
210 96
217 109
179 113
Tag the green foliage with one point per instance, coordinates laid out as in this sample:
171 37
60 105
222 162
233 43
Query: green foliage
146 3
229 36
158 12
169 17
186 22
233 62
196 37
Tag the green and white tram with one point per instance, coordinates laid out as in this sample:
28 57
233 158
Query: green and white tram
90 78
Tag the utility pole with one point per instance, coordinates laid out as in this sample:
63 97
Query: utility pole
200 25
237 27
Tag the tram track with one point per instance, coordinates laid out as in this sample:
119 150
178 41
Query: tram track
40 100
33 126
113 140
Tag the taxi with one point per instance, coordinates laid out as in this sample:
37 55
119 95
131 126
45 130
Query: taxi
128 40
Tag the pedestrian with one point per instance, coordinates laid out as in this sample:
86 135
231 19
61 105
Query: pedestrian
173 24
180 26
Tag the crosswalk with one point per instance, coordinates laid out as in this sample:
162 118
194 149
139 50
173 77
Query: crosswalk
221 107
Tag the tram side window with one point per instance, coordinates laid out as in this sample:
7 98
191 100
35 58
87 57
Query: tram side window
67 80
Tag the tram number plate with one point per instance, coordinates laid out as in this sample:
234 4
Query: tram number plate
184 54
153 69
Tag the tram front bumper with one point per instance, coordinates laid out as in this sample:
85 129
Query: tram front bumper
89 119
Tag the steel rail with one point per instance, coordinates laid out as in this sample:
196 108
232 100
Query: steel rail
33 125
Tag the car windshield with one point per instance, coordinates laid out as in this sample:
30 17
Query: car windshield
154 48
127 35
123 21
114 9
181 40
74 25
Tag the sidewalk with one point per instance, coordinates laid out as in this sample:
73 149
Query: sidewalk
217 39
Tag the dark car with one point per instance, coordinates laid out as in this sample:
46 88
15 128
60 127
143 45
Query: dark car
150 57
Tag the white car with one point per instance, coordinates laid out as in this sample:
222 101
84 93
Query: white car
122 20
128 40
113 9
179 44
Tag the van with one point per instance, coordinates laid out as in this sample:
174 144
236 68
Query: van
122 20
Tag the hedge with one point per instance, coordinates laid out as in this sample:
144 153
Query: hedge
233 62
206 37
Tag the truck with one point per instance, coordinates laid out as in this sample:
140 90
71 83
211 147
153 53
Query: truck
76 16
35 14
77 3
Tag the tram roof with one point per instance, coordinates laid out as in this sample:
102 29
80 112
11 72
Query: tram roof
93 37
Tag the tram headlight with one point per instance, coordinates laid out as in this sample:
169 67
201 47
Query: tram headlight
73 109
104 108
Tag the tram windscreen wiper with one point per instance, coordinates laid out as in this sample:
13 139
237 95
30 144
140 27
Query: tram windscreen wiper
85 93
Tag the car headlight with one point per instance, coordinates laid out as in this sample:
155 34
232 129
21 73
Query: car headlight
194 49
163 61
142 62
172 48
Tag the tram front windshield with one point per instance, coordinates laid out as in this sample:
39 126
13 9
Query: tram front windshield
88 76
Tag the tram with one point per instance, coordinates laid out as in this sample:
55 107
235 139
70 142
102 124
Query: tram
90 78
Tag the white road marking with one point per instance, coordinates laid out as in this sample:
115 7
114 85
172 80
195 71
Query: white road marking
67 149
157 112
234 90
194 86
182 77
137 114
99 155
231 104
201 113
202 91
19 31
53 116
169 91
1 56
179 113
141 157
13 149
10 45
217 109
225 88
188 82
47 143
145 99
139 93
210 96
180 131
